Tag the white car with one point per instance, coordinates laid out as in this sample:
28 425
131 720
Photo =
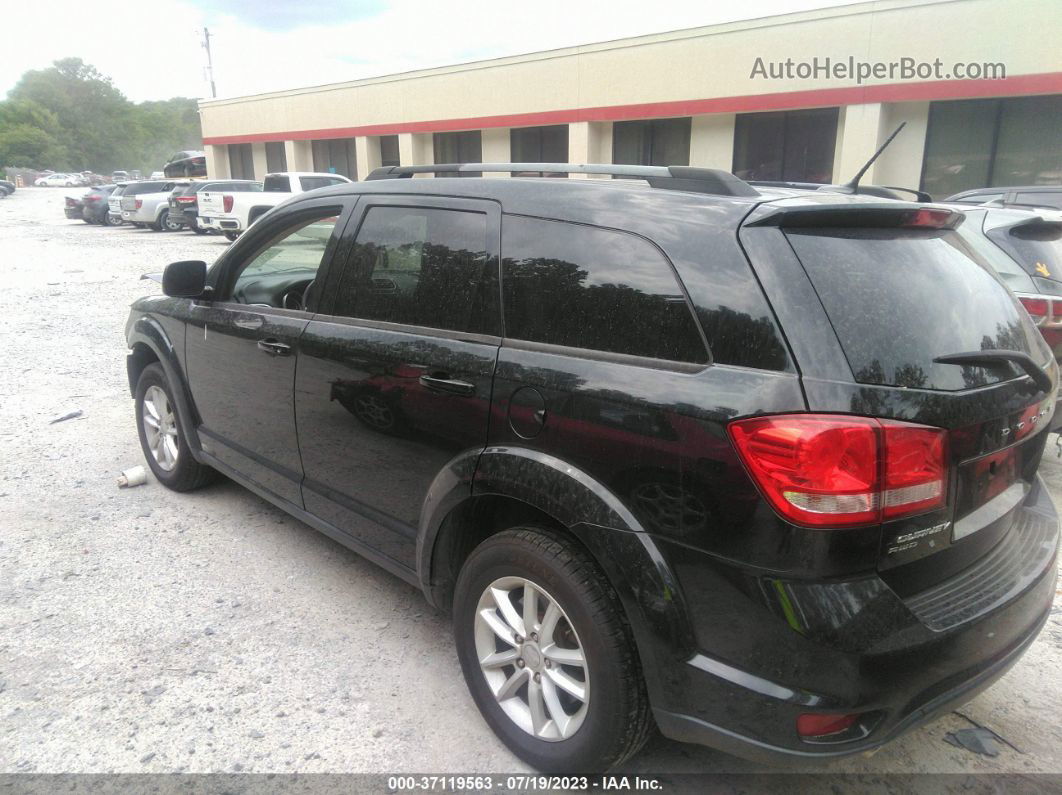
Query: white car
147 203
157 175
231 213
58 181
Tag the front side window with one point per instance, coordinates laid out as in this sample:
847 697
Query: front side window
281 271
598 289
419 266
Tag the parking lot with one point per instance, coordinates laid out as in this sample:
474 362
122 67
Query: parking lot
147 631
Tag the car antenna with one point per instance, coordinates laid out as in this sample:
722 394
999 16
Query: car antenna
852 186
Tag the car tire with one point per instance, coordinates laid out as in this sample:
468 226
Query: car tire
113 220
195 227
162 436
231 236
561 733
165 224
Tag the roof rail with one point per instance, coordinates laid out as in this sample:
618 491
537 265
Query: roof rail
687 178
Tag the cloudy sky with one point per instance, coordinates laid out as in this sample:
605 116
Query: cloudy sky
152 49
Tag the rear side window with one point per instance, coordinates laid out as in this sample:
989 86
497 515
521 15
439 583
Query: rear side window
899 298
598 289
1037 247
148 187
312 183
276 183
1041 199
422 267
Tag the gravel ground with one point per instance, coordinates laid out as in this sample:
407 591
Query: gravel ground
146 631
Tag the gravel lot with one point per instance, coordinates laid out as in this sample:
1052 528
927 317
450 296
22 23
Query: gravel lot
145 631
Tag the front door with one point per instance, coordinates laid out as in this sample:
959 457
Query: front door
242 346
395 380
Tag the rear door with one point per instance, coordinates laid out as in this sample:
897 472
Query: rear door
394 377
898 291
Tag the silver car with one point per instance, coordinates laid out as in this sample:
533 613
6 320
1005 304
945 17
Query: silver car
147 203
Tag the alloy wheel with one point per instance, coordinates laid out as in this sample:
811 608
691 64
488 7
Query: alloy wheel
160 427
532 659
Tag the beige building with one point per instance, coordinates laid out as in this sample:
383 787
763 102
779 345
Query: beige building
802 97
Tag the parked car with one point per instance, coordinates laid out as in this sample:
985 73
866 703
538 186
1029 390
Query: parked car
146 204
231 213
58 181
1049 196
1025 249
94 204
714 493
119 176
6 188
114 205
186 164
158 175
72 206
184 207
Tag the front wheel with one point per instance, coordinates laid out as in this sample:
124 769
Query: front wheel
162 438
547 653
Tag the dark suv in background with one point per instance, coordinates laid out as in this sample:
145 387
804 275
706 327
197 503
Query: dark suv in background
757 467
184 207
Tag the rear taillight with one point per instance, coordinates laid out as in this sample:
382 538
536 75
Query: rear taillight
139 203
92 198
813 724
185 199
226 202
929 218
822 470
70 202
1039 309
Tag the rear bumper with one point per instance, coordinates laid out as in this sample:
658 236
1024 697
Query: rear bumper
73 213
222 223
770 651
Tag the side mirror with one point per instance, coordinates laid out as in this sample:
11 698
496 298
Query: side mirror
185 279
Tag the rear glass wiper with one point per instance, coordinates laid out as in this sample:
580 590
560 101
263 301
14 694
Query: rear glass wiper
990 357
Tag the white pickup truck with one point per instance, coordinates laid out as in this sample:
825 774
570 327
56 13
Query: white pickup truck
231 213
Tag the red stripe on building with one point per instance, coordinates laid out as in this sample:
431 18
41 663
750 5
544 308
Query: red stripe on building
1049 83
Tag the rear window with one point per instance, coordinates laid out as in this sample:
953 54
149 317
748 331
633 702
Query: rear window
899 298
277 183
312 183
1037 247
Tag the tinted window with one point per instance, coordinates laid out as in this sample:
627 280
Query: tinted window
458 147
1037 247
659 142
276 183
419 266
900 298
578 286
312 183
276 157
282 270
389 150
796 145
148 187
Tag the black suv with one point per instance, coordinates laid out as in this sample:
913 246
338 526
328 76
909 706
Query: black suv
760 469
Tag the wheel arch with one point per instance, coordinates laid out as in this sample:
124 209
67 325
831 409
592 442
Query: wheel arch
475 497
149 343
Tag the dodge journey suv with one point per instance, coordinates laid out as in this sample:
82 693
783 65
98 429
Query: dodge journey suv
754 467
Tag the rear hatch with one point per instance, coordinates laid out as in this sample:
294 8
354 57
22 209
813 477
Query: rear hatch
211 203
183 199
901 289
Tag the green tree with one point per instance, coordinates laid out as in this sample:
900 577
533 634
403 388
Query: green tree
71 117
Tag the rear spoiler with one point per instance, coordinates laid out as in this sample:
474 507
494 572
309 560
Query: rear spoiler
892 215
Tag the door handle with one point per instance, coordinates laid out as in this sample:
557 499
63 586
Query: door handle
274 347
443 383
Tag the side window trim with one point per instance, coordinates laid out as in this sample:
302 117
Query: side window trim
222 275
367 201
610 355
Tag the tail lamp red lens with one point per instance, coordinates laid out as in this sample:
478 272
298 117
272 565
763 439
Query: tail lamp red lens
1038 308
185 199
822 470
139 203
930 218
227 203
813 724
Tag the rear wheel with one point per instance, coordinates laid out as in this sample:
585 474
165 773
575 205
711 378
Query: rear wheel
113 220
547 653
162 437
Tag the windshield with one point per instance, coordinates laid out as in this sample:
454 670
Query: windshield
899 298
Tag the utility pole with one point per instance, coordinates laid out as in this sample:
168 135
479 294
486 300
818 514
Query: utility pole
210 62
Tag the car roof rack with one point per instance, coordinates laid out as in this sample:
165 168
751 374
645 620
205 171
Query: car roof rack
685 178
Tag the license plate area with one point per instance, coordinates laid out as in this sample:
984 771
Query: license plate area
989 488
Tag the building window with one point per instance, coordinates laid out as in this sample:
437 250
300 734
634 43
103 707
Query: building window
241 161
276 158
335 156
979 143
793 146
656 142
458 147
539 145
389 150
